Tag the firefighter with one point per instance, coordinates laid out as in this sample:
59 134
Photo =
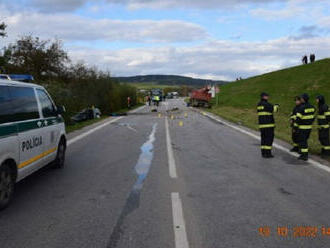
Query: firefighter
305 119
157 100
323 121
266 124
294 125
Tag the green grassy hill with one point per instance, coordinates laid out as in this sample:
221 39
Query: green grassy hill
238 100
168 80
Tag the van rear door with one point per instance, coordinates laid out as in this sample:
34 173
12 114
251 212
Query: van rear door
26 114
8 129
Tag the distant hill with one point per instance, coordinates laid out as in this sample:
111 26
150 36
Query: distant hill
168 80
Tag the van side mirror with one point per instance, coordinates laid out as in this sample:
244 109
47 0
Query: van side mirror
60 110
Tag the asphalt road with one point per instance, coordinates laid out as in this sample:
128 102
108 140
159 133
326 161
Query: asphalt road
198 184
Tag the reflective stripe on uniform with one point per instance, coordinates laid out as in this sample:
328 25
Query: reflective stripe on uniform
293 117
266 147
305 126
327 113
267 126
275 108
264 113
321 117
295 125
304 150
309 110
295 144
299 115
324 126
260 107
326 147
307 117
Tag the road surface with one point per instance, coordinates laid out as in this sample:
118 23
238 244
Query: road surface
169 179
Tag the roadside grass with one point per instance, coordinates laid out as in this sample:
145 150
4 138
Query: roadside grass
238 100
80 125
132 108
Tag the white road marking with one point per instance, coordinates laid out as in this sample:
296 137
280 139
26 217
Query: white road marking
83 135
170 154
138 109
279 147
179 225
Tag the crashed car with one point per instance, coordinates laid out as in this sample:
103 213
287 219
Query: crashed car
87 114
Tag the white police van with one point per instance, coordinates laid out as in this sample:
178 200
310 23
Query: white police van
32 134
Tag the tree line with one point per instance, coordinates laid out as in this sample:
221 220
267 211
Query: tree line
74 85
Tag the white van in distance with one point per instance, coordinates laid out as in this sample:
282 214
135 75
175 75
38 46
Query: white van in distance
32 134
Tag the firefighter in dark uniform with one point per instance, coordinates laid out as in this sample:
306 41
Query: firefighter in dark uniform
294 125
305 119
266 124
323 121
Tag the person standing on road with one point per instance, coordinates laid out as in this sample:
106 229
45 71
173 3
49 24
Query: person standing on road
128 102
157 100
305 119
323 121
294 125
266 124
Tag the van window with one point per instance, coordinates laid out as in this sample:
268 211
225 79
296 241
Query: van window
5 105
48 109
24 103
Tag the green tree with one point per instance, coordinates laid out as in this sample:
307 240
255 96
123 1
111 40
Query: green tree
41 58
3 27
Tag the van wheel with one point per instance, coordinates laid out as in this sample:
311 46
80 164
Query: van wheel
60 157
7 185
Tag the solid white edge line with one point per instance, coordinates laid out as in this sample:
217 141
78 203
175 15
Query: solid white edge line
279 147
138 109
170 154
180 234
83 135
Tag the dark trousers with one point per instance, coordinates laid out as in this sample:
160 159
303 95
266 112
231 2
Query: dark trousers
324 139
267 139
303 136
295 137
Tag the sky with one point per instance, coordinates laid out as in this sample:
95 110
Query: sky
212 39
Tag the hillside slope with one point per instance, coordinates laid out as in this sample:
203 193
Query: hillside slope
168 80
238 100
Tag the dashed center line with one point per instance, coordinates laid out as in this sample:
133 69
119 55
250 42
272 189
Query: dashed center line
181 240
170 154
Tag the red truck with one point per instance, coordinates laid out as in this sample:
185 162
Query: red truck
201 98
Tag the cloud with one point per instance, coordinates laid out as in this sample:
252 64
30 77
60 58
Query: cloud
70 27
187 3
292 9
304 9
217 59
57 5
71 5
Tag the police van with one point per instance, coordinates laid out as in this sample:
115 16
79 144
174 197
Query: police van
32 134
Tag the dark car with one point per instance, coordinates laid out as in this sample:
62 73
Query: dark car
87 114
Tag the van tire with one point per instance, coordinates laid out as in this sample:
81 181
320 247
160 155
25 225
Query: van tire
7 185
60 157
